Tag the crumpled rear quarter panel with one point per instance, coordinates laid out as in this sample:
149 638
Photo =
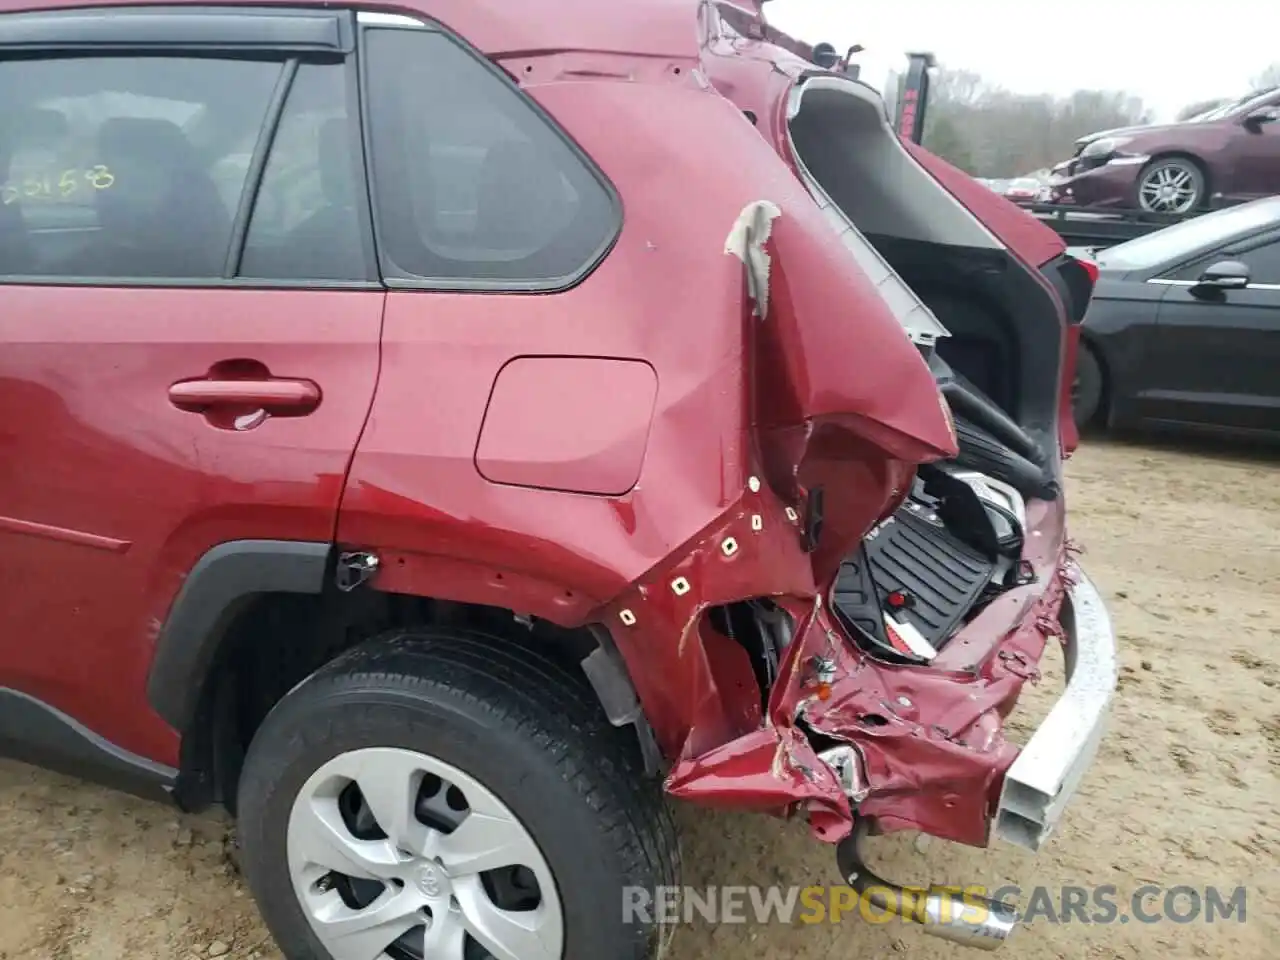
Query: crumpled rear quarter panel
749 415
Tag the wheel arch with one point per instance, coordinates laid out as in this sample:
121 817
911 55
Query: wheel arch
482 718
255 617
213 595
1094 344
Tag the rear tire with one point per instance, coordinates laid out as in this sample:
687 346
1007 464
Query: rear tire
462 725
1087 389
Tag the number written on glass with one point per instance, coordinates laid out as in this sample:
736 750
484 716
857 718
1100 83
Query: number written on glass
59 186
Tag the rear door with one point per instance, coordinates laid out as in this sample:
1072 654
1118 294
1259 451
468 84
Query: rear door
1217 359
190 327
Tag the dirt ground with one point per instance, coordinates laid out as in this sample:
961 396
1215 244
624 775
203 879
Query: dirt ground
1185 544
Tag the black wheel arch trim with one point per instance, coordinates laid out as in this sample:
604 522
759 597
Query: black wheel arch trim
217 588
610 679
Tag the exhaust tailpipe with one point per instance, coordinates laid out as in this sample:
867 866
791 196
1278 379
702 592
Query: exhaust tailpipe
968 920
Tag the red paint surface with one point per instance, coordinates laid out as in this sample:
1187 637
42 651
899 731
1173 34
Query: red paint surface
934 748
1069 434
414 488
47 532
96 454
824 392
578 424
1032 241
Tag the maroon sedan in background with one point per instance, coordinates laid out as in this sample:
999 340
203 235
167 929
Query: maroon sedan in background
1224 156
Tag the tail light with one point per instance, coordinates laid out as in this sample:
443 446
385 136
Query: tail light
1081 277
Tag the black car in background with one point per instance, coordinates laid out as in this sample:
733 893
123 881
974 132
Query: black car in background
1184 326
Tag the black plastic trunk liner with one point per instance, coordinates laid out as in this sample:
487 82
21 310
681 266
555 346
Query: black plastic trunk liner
916 570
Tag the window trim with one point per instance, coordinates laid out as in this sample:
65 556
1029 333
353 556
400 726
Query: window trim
1268 239
1153 273
1235 247
260 163
274 30
188 283
257 170
367 22
182 27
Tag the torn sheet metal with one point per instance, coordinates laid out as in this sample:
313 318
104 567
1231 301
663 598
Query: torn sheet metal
932 741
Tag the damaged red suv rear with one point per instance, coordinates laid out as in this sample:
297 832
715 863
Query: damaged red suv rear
451 423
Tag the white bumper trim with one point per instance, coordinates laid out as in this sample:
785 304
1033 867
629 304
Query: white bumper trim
1045 775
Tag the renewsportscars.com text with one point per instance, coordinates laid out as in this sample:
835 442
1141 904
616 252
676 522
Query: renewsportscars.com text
1103 904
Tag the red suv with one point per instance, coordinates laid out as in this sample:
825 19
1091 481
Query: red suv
431 431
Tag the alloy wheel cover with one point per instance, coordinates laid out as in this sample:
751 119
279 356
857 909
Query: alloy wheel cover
435 876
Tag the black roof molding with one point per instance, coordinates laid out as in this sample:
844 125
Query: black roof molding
241 29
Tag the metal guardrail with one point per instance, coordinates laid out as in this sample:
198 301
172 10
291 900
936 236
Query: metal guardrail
1101 226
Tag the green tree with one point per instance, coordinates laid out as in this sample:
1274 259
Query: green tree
944 138
1199 107
993 132
1269 77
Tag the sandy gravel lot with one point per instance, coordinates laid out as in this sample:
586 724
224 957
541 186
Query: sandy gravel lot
1184 543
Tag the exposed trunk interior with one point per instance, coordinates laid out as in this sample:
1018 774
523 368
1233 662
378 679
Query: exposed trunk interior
992 331
1005 332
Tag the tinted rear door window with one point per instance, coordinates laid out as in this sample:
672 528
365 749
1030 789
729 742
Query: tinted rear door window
474 187
1264 263
125 167
308 221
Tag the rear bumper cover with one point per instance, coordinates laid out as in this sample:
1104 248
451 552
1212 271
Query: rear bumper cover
1044 777
925 746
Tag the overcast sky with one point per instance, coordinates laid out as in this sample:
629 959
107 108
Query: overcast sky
1169 52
